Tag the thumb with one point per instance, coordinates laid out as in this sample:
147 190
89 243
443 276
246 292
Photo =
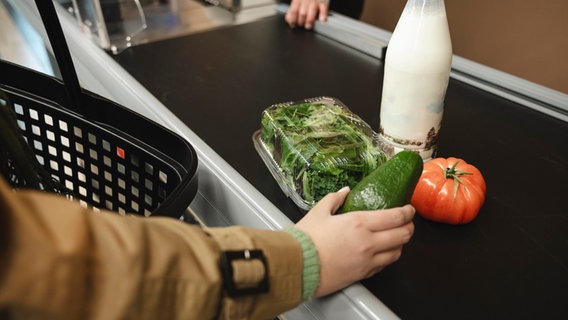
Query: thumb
332 201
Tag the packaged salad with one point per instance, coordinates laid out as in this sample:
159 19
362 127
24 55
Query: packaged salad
316 146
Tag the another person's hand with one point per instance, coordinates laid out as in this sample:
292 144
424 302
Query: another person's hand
303 13
354 245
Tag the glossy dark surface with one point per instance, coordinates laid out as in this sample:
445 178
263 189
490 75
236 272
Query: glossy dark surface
510 262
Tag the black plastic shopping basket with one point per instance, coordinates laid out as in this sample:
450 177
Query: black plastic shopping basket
107 155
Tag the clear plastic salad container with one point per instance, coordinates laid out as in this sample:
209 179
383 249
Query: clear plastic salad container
316 146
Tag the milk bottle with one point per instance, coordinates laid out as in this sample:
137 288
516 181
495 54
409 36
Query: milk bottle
417 68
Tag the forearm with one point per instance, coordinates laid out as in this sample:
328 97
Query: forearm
69 262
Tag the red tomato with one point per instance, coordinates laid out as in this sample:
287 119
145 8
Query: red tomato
449 191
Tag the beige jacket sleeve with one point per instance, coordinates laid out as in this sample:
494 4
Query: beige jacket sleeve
59 260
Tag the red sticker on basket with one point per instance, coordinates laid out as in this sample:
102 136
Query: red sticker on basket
120 152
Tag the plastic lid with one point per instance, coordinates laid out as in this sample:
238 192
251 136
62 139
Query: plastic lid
316 146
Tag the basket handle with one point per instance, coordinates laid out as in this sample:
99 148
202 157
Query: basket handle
56 37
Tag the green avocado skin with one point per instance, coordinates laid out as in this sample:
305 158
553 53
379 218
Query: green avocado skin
390 185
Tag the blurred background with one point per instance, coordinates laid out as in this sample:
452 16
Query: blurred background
528 39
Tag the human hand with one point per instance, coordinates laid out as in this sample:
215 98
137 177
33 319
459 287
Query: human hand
354 245
303 12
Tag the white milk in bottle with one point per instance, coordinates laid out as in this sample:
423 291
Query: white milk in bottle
417 69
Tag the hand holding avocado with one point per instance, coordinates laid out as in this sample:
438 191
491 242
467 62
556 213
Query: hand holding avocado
357 245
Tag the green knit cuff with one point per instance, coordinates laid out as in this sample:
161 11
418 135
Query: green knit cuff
311 270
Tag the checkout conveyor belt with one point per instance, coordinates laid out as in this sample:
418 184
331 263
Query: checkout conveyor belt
511 262
211 87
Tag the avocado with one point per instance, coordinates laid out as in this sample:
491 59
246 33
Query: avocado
390 185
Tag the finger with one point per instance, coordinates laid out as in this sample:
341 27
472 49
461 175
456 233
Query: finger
302 13
311 16
292 15
387 240
290 19
332 201
323 12
379 220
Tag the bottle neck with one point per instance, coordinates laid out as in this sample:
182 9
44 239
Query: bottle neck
425 6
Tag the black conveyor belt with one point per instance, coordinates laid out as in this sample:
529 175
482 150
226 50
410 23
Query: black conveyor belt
510 262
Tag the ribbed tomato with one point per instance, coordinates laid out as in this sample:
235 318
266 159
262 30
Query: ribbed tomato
450 191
